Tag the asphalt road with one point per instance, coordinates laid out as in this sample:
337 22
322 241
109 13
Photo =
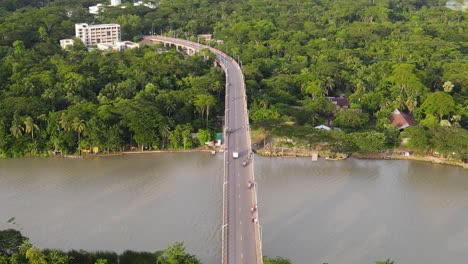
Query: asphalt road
240 230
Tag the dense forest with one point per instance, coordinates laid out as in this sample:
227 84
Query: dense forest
381 54
72 100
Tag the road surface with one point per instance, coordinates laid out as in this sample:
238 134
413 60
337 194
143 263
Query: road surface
241 236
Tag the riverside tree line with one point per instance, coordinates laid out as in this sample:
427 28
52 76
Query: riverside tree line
16 249
383 55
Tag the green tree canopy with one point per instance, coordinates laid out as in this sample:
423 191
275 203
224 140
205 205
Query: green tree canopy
438 103
10 241
175 254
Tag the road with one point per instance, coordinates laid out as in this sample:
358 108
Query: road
241 236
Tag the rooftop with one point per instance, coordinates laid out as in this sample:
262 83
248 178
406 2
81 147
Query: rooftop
402 120
340 101
97 26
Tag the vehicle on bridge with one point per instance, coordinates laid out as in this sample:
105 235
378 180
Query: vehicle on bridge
235 154
250 184
253 209
244 163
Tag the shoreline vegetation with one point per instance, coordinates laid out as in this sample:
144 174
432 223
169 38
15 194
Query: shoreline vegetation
349 67
16 248
268 145
389 154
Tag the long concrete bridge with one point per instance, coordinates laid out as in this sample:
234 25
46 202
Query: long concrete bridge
241 233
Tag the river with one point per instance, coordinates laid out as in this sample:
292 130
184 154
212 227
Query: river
352 211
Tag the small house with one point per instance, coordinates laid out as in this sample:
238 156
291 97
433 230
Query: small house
64 43
341 102
402 120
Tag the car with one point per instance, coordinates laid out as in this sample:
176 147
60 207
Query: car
244 163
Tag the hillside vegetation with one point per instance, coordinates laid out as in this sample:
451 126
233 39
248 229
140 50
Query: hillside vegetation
382 55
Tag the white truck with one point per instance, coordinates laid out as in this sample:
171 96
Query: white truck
235 154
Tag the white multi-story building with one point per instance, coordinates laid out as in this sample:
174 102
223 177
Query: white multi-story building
115 2
95 34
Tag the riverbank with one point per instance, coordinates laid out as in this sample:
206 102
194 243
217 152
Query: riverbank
426 158
300 152
387 155
121 153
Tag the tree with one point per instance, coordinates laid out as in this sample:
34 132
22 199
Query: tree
407 84
204 135
55 257
392 137
418 137
368 142
101 261
277 260
16 129
10 241
30 126
450 141
350 119
78 125
64 122
175 254
35 256
165 132
4 259
430 121
203 102
438 103
181 137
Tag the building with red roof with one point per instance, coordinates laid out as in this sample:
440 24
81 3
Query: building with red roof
401 120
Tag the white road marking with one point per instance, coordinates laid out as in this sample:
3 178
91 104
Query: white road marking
239 196
242 255
241 237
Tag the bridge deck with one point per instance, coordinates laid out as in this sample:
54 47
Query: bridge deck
241 238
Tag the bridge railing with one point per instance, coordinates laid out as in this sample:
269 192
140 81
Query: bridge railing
225 227
258 235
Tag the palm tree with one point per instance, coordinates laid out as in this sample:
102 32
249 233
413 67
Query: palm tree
170 106
78 125
16 129
64 123
165 131
30 126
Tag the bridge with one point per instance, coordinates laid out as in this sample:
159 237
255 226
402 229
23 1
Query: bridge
241 231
